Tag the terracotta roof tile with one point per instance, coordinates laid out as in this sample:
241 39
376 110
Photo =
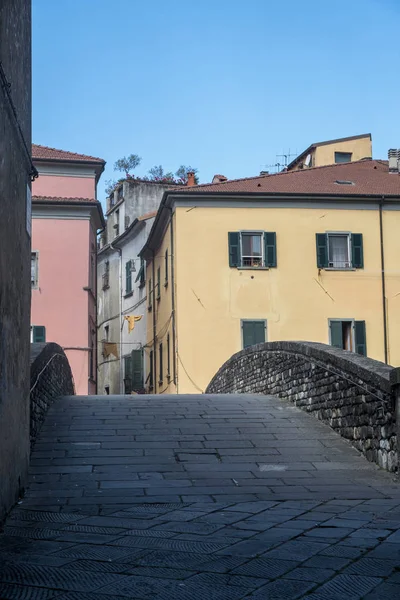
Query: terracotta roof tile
367 177
46 153
148 215
52 199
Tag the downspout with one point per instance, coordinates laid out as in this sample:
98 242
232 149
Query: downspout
173 299
119 250
383 280
154 324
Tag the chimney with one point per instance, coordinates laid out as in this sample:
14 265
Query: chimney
219 179
394 157
264 173
190 179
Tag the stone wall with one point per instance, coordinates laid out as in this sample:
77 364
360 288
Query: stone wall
51 377
15 292
351 393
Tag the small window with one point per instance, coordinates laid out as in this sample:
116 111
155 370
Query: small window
343 157
253 332
158 283
166 268
106 333
128 277
168 357
116 222
348 334
149 304
106 275
160 350
151 372
248 249
38 334
34 270
120 193
111 200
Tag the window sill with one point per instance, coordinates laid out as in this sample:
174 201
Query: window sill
128 294
339 268
253 268
166 284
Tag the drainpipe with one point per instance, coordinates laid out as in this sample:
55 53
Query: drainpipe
173 299
153 291
119 250
383 280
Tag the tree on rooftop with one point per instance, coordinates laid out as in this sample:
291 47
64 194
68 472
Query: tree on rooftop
127 163
157 173
182 174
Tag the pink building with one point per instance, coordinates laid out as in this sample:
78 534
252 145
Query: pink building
65 220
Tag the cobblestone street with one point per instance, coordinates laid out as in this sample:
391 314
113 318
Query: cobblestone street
189 497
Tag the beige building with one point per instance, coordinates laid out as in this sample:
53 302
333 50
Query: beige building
304 255
342 150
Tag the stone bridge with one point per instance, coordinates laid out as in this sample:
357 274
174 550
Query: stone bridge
217 496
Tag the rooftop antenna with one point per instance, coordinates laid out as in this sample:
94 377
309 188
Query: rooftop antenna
286 157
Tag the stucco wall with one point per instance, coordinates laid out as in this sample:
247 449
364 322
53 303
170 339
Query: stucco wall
351 393
325 155
296 298
15 56
60 303
64 187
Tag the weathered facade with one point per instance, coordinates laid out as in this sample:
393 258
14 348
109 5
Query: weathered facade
121 349
15 185
303 255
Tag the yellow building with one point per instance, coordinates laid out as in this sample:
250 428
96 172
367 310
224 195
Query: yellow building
303 255
342 150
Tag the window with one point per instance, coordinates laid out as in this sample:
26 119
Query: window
340 250
343 157
91 361
120 193
106 275
34 270
116 222
168 358
158 283
348 335
166 268
141 276
106 333
160 368
38 334
252 249
111 200
133 370
253 332
128 277
151 372
149 295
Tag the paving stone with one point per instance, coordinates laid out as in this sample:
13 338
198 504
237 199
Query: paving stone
282 589
161 572
310 574
385 590
11 591
347 586
372 567
296 550
266 568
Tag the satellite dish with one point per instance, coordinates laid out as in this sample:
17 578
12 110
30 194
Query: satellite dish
307 162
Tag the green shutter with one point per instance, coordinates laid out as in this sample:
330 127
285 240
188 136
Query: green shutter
151 371
253 333
39 334
336 334
137 369
234 249
158 283
128 277
360 337
166 266
322 250
270 249
160 363
127 374
357 250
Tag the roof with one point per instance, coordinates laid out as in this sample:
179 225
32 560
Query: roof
147 216
46 153
368 178
58 200
327 143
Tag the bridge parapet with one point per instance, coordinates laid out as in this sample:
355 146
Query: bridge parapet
357 396
51 377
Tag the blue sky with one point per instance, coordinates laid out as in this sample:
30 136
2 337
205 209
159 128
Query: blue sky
222 85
